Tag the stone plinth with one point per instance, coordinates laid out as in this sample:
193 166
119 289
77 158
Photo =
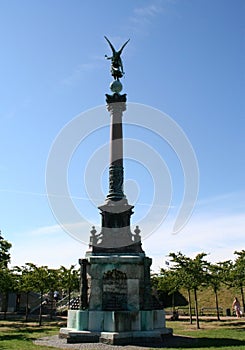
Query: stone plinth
120 308
115 327
119 282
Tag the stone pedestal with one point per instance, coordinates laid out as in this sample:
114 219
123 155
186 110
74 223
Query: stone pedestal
120 308
119 282
115 327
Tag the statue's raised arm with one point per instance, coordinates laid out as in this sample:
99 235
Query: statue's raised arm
116 62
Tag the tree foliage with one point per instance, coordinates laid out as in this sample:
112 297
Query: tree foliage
69 280
167 291
215 278
238 272
6 276
7 284
4 251
191 274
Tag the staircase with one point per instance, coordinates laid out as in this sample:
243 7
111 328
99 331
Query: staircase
63 305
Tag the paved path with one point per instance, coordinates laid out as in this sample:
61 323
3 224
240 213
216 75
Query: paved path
56 342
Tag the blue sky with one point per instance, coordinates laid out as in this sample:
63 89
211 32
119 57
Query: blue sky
185 58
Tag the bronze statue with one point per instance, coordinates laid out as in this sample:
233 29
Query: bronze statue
116 62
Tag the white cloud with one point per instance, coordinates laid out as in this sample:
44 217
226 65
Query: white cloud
143 16
46 230
215 228
231 199
147 12
217 236
79 71
49 246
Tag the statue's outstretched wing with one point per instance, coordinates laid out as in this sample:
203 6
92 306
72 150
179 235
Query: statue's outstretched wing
120 51
112 48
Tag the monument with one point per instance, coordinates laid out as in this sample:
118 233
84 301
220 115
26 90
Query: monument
116 304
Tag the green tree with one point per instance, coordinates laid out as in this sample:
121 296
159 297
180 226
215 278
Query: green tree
53 283
238 273
6 275
185 280
25 283
39 278
225 272
69 280
7 284
166 284
4 251
192 274
215 279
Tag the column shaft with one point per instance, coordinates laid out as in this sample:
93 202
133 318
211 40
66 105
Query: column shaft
116 176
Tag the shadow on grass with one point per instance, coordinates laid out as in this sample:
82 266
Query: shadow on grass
195 343
168 342
188 342
27 330
23 334
20 336
234 324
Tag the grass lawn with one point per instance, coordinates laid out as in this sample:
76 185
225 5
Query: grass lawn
228 334
18 335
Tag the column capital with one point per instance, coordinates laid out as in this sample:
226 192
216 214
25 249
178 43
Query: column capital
116 109
116 98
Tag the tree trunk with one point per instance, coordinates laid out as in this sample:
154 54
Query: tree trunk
5 304
189 301
217 304
52 305
69 298
242 299
27 303
17 305
196 309
41 309
173 302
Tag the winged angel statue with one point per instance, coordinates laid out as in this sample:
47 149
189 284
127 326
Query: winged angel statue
116 62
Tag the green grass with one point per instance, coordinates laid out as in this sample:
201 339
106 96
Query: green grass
228 334
17 335
223 335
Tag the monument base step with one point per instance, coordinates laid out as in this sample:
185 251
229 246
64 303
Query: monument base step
74 336
135 337
115 338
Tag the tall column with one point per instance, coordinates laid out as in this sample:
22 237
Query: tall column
116 175
116 235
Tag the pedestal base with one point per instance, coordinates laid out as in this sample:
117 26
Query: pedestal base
115 327
74 336
135 337
115 338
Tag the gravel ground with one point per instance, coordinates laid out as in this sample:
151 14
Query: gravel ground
56 342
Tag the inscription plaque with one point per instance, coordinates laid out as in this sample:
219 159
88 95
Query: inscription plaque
115 291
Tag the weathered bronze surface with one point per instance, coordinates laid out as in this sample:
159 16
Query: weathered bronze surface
116 61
